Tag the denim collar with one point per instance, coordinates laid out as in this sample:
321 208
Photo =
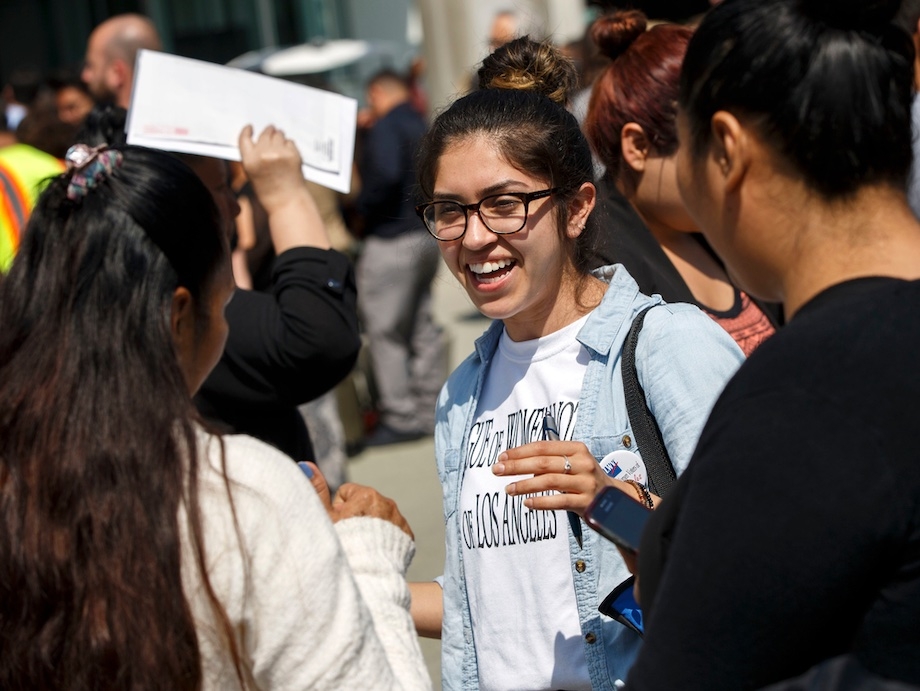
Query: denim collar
618 305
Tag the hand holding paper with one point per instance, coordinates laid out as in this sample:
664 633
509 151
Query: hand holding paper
196 107
273 166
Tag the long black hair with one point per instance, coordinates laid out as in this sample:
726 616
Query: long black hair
827 83
97 436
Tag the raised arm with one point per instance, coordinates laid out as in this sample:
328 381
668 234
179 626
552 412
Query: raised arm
297 342
273 166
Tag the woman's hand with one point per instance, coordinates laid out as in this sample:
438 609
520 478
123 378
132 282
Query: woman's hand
273 165
319 484
631 559
546 460
357 500
577 486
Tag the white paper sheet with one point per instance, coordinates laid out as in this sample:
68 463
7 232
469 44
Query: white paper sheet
190 106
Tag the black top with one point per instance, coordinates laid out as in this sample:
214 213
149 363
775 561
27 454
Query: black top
387 166
794 535
285 348
626 240
260 258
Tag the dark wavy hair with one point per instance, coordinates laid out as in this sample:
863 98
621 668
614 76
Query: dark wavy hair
826 83
525 64
531 130
97 435
104 125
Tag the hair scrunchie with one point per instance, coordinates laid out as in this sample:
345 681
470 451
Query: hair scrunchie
89 165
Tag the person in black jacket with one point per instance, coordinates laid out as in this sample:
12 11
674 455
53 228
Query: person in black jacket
296 342
396 268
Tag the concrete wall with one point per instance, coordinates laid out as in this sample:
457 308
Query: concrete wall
456 36
454 33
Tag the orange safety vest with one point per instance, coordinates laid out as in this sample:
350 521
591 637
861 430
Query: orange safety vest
24 171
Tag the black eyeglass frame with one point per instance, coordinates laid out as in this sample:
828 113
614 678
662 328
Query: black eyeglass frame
525 197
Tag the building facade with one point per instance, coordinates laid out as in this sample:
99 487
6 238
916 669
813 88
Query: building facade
449 34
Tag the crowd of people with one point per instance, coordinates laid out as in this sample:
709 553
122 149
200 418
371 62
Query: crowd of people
698 265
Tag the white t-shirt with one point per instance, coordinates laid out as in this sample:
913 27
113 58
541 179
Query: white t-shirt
516 562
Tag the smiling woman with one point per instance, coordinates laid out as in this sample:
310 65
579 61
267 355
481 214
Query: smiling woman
515 275
508 177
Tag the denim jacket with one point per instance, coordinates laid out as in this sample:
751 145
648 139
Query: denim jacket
683 359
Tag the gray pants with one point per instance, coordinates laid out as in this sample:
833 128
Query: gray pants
408 350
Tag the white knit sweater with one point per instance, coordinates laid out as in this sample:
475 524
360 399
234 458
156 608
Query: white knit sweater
313 606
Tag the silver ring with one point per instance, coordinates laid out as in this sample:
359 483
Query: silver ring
567 468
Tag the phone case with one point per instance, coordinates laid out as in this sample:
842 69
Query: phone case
622 606
605 530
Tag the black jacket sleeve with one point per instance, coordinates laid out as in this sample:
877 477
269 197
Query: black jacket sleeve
292 345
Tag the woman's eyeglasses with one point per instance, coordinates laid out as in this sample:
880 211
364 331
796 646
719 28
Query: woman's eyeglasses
503 214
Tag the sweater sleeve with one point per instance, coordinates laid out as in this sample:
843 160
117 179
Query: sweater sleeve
379 554
285 581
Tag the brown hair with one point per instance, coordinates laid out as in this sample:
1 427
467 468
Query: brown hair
526 65
98 443
640 85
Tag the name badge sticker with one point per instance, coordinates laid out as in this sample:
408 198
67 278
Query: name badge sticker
625 465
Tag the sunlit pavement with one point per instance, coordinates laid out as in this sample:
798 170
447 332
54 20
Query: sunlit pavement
406 472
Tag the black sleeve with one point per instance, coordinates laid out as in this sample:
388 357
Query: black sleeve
291 345
767 554
625 239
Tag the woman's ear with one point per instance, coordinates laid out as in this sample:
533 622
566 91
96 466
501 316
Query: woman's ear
731 149
634 146
580 209
182 325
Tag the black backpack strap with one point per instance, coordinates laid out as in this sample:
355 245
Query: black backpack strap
661 473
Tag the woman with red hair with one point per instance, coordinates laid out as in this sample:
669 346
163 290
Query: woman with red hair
632 125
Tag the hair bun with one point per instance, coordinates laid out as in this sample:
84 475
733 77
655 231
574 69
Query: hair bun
614 33
852 14
528 65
